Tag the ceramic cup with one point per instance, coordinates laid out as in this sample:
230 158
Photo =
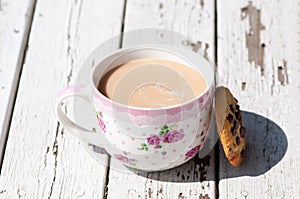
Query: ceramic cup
148 139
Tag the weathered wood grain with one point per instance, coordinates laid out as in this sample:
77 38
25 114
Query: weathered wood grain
15 21
194 19
195 179
42 160
256 60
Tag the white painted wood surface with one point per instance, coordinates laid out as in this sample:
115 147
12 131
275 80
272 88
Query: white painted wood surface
197 22
41 160
15 20
271 167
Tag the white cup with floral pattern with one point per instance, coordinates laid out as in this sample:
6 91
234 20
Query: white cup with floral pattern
147 139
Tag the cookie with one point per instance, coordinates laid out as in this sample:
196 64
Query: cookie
230 126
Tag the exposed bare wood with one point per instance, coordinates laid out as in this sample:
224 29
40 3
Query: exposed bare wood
253 43
270 167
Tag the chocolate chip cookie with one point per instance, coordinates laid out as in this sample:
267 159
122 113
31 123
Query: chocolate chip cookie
230 126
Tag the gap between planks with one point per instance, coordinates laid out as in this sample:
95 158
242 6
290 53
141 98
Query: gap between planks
13 94
216 148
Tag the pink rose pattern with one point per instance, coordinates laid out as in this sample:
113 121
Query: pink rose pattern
166 135
173 136
125 159
192 152
100 121
153 140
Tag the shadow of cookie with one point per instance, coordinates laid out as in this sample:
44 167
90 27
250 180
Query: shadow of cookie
266 146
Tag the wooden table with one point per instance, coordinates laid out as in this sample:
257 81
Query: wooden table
43 43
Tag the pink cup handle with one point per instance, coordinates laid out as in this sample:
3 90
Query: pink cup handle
90 136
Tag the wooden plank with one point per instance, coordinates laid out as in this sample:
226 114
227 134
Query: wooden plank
196 19
194 179
42 160
15 21
256 60
298 31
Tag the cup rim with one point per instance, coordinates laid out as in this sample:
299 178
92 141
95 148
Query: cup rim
209 85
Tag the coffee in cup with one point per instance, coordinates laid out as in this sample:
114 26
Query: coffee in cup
147 88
